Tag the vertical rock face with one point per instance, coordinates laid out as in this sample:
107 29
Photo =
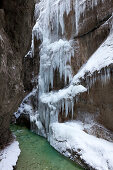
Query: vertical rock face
16 22
98 101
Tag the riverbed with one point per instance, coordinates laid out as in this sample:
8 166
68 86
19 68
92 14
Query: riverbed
37 154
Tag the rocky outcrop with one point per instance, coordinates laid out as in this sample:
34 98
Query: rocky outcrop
94 27
87 44
98 101
16 22
89 15
31 61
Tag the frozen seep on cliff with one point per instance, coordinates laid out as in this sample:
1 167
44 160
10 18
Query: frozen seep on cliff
56 52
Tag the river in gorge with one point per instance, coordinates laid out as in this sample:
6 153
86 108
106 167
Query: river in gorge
37 154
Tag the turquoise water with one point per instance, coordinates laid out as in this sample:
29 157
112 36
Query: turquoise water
37 154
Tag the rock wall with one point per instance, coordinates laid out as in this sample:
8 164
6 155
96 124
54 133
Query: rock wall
98 101
94 27
16 22
89 15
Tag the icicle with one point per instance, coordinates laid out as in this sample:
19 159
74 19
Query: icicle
72 107
108 74
66 107
76 16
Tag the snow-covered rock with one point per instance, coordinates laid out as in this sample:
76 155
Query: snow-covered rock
70 138
9 156
102 58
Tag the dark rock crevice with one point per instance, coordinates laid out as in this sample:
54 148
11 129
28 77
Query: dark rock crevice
1 4
31 61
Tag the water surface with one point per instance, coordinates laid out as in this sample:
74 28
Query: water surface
37 154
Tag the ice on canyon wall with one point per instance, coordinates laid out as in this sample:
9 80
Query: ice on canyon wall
50 15
66 93
26 106
54 56
61 101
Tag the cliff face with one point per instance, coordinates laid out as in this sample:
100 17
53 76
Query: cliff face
94 27
99 100
16 22
91 28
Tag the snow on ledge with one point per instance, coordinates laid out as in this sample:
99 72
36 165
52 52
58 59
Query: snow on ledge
102 58
66 93
70 137
9 156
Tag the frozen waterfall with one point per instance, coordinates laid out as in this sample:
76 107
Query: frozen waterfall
56 52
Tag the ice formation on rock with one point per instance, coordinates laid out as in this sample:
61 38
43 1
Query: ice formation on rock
55 54
50 15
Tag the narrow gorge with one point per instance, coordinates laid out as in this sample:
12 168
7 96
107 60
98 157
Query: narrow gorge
56 76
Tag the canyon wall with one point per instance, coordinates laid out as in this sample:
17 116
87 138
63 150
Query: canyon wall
18 74
16 22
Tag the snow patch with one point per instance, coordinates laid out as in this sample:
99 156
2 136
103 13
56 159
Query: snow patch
26 107
70 137
66 93
9 156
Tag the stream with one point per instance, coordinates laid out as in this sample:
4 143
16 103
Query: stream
37 154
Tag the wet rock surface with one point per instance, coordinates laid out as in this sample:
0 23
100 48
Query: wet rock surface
16 22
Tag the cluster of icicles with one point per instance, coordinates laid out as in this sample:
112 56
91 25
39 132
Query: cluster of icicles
104 76
50 16
54 56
